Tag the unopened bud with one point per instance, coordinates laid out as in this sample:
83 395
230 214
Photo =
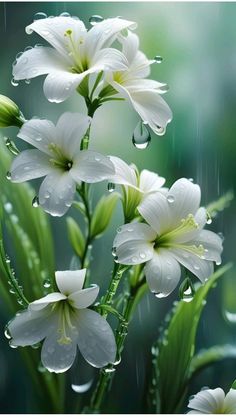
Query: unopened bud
10 114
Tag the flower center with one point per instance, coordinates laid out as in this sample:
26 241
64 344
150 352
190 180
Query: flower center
65 323
74 48
60 160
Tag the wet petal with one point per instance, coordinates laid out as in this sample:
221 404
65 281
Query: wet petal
134 252
155 210
28 327
162 273
59 85
84 298
96 339
37 61
150 181
40 133
71 128
203 269
56 192
230 402
186 198
208 401
29 164
124 174
134 231
69 282
212 244
108 59
48 299
91 167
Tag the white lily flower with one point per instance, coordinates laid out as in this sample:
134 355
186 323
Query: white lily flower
64 322
76 53
213 402
173 236
57 156
143 94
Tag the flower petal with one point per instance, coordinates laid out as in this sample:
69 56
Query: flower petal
162 273
150 181
56 192
53 30
37 61
48 299
57 357
149 105
207 401
29 164
71 128
203 269
84 298
130 45
28 327
108 59
230 402
212 244
134 252
134 231
185 197
156 211
38 132
90 166
69 282
59 85
96 339
104 33
124 174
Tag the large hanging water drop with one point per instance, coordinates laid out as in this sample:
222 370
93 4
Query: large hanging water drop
93 20
186 290
82 388
141 136
39 16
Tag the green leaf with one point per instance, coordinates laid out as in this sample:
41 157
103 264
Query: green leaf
103 213
219 205
75 236
172 354
233 385
207 356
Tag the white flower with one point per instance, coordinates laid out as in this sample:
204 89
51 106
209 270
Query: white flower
76 53
57 156
174 236
142 93
63 321
213 402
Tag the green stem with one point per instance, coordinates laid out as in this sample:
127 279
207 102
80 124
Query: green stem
117 273
106 374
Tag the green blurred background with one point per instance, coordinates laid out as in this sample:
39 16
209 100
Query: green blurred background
198 44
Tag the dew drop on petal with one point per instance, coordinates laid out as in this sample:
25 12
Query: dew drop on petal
93 20
158 59
27 81
111 187
14 82
164 88
65 14
221 236
7 333
8 175
142 255
159 295
190 179
113 251
11 345
39 15
141 136
170 199
35 202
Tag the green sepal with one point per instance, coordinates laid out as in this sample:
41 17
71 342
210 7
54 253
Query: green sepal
75 236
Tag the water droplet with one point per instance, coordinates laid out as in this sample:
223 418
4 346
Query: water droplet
111 187
196 267
27 81
119 230
142 255
8 175
230 316
47 283
41 368
7 333
8 207
12 291
93 20
118 360
113 251
190 179
159 295
134 259
158 59
82 388
186 290
160 130
109 369
11 345
14 82
170 199
209 219
65 14
28 48
163 89
19 55
35 202
141 136
39 15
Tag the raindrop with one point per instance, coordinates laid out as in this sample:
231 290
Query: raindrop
196 267
35 202
113 251
65 14
142 255
82 388
186 290
159 295
141 136
160 130
111 187
117 361
209 219
109 369
14 82
27 81
230 316
158 59
93 20
19 55
8 207
47 283
38 45
8 175
11 345
7 333
170 199
28 48
39 15
119 230
41 368
12 291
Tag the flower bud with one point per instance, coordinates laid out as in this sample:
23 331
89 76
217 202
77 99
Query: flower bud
10 114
